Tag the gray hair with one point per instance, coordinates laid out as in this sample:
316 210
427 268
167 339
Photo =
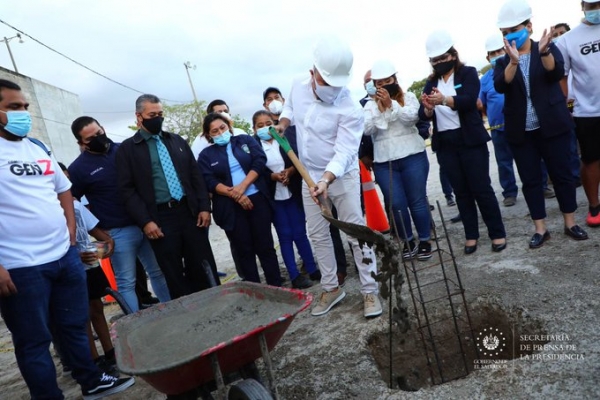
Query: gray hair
150 98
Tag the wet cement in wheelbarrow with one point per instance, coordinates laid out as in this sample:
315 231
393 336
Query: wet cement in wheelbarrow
182 334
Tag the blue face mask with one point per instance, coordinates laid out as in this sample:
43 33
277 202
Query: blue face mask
18 122
494 60
592 16
223 139
263 133
371 89
519 37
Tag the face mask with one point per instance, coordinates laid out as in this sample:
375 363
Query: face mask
444 67
99 144
153 125
519 37
393 89
371 89
592 16
554 40
18 122
327 94
263 133
223 139
494 60
276 107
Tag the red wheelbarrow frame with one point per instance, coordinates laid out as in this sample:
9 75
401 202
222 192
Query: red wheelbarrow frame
223 358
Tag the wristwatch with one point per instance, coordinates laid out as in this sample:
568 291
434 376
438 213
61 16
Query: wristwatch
444 102
324 180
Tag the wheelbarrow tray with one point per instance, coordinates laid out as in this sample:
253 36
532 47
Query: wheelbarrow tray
170 345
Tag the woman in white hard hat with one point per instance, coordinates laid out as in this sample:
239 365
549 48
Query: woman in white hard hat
536 117
400 162
460 139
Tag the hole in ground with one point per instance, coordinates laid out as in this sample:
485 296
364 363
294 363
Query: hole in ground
498 336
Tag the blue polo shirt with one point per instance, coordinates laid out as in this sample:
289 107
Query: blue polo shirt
95 176
492 100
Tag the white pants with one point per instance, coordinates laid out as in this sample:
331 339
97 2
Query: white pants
344 192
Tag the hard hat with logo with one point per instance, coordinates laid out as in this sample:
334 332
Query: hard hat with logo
513 13
333 59
382 69
494 42
438 42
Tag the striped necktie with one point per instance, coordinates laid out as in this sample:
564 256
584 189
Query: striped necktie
169 169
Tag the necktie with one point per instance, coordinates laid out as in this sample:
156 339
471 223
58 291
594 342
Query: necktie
169 169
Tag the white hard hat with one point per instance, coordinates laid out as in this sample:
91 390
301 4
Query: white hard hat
513 13
382 69
438 42
495 42
333 59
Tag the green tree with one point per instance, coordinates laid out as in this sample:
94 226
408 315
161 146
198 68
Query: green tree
186 119
485 69
417 87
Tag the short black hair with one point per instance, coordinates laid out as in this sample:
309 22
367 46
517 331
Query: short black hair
270 89
212 104
149 98
258 114
209 119
5 84
563 25
81 123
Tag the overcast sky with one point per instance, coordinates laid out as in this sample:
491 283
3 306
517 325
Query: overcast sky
239 47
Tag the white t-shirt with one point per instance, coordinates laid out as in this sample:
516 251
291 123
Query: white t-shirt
580 48
33 228
446 118
276 164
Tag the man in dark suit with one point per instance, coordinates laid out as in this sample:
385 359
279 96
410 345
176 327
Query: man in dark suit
166 196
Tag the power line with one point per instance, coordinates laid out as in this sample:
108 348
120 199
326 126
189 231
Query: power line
80 64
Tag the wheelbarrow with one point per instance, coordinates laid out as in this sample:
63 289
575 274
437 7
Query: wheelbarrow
197 341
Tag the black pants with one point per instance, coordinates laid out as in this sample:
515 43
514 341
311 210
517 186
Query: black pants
251 237
181 251
468 169
555 152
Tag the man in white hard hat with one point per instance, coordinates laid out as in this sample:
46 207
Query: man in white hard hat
329 126
581 51
492 105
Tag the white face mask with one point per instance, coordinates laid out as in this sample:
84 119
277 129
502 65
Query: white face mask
276 107
327 94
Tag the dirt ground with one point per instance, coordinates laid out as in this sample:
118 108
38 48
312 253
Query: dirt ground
552 292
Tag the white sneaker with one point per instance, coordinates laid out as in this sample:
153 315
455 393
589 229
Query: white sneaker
328 300
372 305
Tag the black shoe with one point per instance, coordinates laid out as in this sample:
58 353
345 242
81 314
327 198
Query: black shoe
315 276
576 232
456 219
301 282
497 248
431 207
537 240
410 250
471 249
450 201
109 367
424 251
107 385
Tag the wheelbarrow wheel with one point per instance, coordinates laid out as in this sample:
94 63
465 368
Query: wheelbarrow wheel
249 389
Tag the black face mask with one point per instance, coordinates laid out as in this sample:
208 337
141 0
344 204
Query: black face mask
99 144
393 89
153 125
444 67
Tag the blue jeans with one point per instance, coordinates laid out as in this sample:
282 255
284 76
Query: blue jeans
56 289
130 243
504 160
290 223
408 191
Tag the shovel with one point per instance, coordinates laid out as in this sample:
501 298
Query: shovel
361 232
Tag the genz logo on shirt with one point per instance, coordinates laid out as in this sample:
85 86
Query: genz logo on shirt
25 168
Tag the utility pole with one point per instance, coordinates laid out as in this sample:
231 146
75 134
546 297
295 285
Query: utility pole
6 40
188 65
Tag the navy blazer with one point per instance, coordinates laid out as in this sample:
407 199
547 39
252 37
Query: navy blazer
134 169
214 164
546 95
465 102
295 184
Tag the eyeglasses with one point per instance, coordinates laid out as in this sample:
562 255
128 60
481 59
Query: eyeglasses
439 59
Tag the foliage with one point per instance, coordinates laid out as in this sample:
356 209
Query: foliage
485 69
186 119
417 87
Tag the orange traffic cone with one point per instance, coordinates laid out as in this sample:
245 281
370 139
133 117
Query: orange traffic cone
376 218
108 271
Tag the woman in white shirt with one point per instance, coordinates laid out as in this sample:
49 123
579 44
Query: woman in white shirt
400 163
